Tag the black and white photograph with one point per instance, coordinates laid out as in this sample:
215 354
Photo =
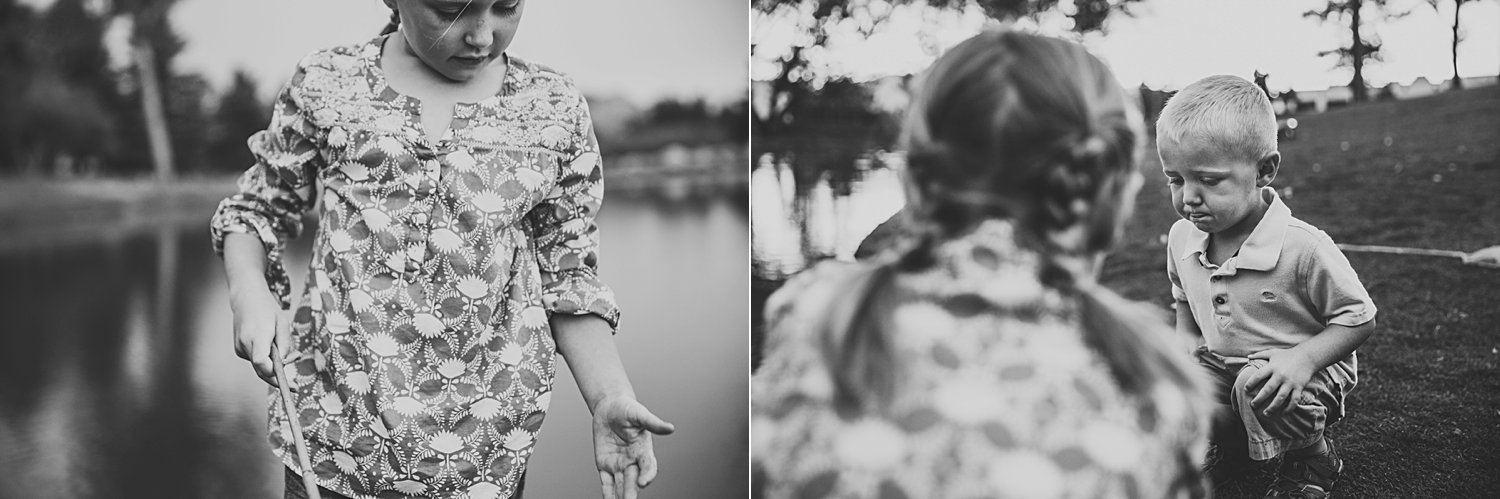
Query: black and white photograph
373 248
782 249
1125 248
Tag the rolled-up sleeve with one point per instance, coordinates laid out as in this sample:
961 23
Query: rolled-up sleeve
1333 288
274 192
565 233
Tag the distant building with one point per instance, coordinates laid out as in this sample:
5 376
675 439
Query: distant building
1321 99
1418 88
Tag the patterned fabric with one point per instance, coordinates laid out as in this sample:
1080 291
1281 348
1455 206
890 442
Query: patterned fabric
996 393
426 359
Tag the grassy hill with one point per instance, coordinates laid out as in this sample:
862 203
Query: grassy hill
1424 420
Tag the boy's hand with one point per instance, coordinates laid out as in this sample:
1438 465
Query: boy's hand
1281 380
622 446
258 324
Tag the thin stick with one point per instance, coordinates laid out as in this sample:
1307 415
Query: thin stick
1361 248
309 479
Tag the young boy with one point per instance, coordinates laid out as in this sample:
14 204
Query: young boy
1278 306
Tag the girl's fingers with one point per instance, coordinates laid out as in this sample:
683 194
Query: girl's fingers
632 474
607 484
645 419
260 359
648 469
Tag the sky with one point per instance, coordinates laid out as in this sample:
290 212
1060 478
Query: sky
1170 43
641 50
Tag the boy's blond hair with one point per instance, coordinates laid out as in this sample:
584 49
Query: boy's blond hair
1233 114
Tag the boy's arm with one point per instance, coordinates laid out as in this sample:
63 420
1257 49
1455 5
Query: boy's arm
1333 289
1289 370
1186 326
1335 343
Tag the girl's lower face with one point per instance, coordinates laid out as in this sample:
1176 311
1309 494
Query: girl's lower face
459 39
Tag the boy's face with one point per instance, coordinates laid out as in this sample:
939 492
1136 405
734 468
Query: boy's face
1212 189
459 38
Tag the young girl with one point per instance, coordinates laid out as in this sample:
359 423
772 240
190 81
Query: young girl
456 187
982 359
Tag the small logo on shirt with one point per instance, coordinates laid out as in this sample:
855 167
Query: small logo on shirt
1267 295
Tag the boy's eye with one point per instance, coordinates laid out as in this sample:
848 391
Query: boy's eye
1209 181
1174 180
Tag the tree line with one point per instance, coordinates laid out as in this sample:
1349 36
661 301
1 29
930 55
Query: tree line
65 111
822 123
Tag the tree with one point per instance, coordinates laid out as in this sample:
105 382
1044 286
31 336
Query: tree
734 119
239 115
1457 6
17 22
775 121
1361 48
152 46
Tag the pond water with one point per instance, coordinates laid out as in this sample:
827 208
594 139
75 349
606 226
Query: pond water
794 226
118 377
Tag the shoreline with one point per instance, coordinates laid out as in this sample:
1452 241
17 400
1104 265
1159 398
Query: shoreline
39 213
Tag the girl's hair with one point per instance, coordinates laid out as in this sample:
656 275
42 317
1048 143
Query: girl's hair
393 24
1037 131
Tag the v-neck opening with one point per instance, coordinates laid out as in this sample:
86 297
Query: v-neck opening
414 106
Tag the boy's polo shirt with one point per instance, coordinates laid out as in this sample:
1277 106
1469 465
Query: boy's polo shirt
1287 283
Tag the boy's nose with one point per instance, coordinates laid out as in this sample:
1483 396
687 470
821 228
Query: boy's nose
1191 196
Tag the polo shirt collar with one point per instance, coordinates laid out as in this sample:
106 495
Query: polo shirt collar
1263 248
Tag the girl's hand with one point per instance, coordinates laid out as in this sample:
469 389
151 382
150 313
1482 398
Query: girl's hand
259 326
622 446
1281 380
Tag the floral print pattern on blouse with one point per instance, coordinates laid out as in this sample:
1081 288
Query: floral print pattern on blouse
997 394
426 360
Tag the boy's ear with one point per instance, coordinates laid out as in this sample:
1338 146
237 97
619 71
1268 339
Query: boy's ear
1266 168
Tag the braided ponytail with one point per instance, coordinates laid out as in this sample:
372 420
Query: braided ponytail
1133 338
1034 130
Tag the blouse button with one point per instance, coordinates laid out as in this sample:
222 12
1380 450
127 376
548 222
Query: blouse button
419 219
1220 300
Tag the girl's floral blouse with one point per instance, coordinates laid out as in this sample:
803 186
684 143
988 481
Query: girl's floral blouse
425 359
997 395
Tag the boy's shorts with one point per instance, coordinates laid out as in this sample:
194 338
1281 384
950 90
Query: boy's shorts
1266 437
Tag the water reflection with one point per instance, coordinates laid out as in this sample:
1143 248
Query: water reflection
792 227
120 381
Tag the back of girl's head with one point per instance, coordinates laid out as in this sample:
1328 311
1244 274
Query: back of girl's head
1037 131
1025 127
